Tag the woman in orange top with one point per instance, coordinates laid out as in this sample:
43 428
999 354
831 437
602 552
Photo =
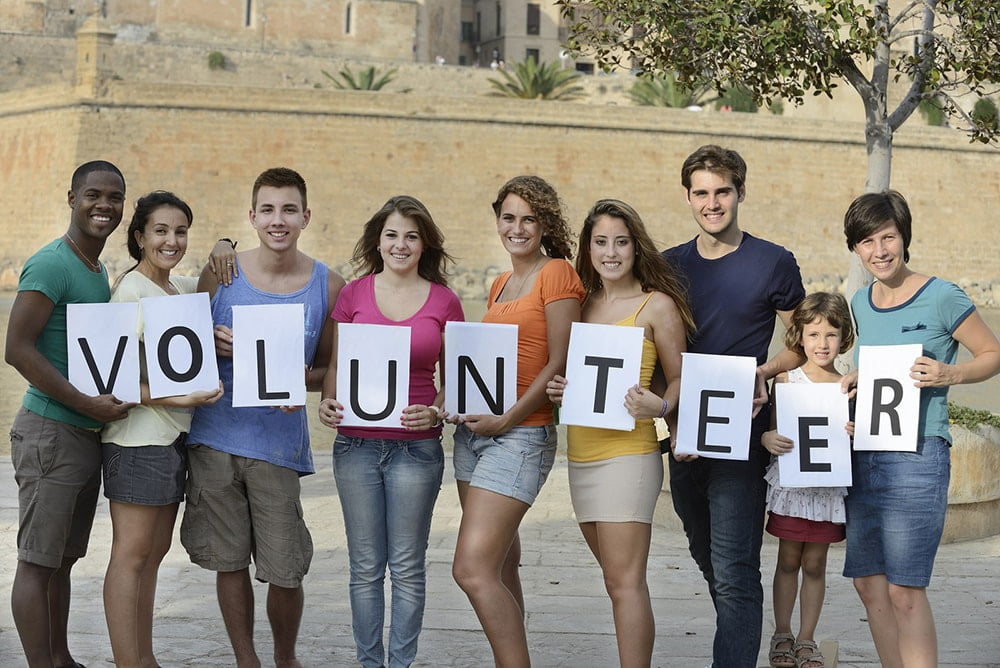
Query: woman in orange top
501 461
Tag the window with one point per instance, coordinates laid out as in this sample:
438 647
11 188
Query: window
585 68
347 19
531 54
248 14
534 18
468 34
499 12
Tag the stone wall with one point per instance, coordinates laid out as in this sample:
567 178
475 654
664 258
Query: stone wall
356 149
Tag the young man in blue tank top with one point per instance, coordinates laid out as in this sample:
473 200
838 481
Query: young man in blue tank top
58 425
244 464
737 284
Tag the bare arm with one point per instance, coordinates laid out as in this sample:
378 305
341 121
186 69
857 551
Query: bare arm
774 442
315 376
331 411
28 316
559 317
979 340
670 337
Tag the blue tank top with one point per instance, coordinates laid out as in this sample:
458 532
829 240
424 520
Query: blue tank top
262 432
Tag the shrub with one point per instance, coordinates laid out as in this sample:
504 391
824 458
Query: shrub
216 60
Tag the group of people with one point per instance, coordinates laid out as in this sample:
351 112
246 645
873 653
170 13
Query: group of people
239 468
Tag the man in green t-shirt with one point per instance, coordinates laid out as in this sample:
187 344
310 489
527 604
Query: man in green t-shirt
55 438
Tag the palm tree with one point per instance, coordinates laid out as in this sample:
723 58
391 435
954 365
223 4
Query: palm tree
533 82
663 90
370 78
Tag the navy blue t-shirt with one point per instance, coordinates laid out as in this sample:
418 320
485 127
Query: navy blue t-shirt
736 297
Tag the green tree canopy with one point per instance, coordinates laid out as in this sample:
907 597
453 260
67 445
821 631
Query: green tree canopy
943 49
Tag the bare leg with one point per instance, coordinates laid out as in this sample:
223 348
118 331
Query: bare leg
915 623
284 611
59 597
235 594
510 573
162 537
624 552
485 536
813 588
874 593
139 534
29 603
786 584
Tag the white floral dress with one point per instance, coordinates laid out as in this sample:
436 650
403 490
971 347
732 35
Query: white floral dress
819 504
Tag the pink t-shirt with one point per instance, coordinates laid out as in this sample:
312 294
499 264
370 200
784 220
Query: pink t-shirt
356 304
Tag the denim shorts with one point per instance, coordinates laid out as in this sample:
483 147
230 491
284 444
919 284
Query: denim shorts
513 464
895 512
147 475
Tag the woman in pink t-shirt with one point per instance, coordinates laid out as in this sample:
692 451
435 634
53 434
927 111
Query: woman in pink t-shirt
388 478
501 461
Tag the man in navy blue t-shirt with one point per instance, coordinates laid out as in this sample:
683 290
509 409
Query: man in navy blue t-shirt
737 284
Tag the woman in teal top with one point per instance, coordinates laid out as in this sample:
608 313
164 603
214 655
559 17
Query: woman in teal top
896 506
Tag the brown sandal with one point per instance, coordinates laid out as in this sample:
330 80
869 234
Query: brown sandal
807 655
782 657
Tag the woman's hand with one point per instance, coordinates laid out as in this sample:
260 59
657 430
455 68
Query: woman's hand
486 425
775 443
643 404
222 261
932 373
331 412
420 418
555 388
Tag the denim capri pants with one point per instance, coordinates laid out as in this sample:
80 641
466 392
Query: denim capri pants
895 512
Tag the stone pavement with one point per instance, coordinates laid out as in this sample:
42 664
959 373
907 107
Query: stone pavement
569 617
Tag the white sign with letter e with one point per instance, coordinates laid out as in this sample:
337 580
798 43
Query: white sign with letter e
814 415
716 405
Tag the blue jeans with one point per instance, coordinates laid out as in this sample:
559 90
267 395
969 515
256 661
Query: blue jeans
387 491
721 504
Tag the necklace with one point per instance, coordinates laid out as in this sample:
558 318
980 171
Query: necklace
524 278
93 267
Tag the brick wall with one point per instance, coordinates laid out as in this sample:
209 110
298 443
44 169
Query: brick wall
356 149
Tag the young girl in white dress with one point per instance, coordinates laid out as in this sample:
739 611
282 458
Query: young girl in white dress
806 520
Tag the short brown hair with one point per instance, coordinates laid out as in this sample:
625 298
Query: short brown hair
279 177
718 160
871 211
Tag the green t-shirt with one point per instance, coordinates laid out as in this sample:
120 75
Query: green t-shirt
56 272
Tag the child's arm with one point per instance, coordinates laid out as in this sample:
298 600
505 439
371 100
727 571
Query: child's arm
774 442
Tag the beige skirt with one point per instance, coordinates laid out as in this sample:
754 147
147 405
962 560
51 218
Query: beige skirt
620 489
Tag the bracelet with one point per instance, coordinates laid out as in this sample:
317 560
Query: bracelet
663 411
229 241
437 413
